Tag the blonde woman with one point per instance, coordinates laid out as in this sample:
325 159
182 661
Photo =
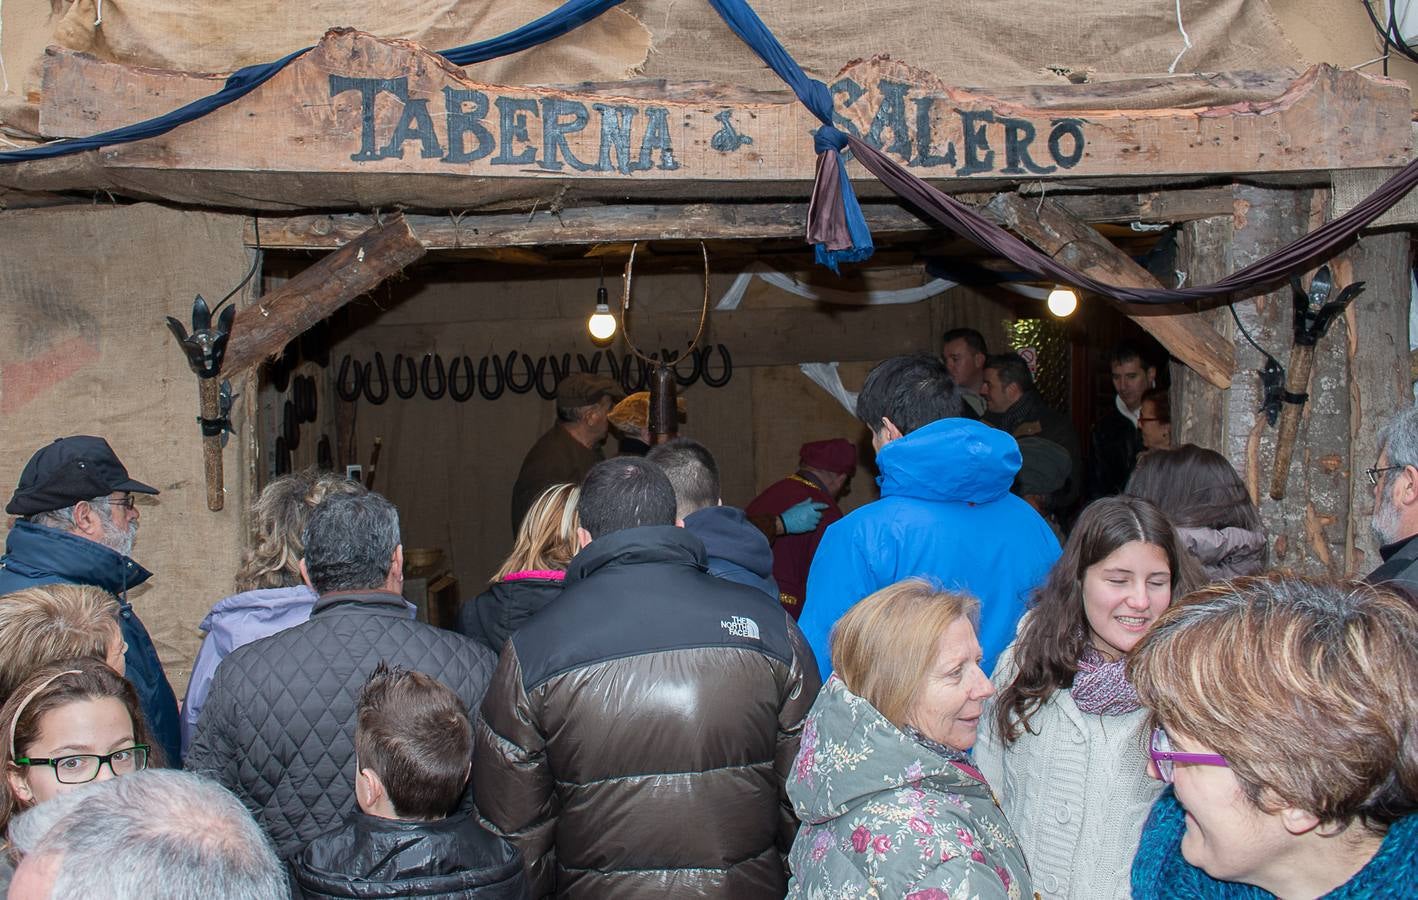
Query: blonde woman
39 625
531 577
270 595
889 802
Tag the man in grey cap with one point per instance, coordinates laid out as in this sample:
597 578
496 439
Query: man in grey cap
77 525
570 447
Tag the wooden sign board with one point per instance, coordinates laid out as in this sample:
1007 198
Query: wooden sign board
365 121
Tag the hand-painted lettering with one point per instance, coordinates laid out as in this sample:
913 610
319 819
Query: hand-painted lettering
924 156
512 125
1018 135
368 89
977 142
555 128
1072 129
464 121
891 113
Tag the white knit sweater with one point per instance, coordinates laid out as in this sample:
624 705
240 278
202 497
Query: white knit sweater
1077 792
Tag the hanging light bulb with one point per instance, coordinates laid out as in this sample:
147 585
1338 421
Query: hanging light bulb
1062 301
602 323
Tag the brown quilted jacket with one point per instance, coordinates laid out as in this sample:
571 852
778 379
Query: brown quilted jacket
638 732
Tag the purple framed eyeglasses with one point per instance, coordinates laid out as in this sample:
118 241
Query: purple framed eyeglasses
1163 756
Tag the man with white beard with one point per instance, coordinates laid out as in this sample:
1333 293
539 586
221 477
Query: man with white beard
1395 481
77 525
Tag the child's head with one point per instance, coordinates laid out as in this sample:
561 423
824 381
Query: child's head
414 746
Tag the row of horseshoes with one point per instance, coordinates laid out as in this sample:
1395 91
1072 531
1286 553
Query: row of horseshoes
493 374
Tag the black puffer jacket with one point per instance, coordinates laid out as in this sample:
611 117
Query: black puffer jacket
638 731
373 857
492 616
278 726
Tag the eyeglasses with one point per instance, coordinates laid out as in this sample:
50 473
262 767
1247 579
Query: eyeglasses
1164 757
82 768
1376 471
127 501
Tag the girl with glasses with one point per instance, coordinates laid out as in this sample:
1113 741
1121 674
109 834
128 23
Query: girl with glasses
1064 743
1286 724
66 725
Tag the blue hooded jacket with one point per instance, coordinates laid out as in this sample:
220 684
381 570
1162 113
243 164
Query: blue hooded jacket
946 514
737 551
35 556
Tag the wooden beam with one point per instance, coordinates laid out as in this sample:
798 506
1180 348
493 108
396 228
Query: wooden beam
264 328
361 122
1051 228
584 225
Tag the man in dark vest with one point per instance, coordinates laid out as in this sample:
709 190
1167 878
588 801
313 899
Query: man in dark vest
77 525
824 469
1015 406
568 450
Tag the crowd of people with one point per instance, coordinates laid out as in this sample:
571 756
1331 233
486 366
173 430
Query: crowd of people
928 697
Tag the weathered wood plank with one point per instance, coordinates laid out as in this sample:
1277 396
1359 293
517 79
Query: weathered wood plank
691 221
1199 409
262 330
1052 229
388 113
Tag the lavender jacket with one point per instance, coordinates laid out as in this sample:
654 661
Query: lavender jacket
234 622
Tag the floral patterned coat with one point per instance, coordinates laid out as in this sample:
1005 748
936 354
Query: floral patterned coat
885 817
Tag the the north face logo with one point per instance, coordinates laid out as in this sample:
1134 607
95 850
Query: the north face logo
741 626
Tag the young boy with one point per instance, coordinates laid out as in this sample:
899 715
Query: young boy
414 747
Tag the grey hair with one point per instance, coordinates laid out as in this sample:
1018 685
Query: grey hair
63 519
158 834
1399 436
349 542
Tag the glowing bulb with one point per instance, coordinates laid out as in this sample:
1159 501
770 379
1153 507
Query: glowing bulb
602 323
1062 301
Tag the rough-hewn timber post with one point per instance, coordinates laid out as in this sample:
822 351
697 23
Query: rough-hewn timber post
1376 356
1309 528
1200 409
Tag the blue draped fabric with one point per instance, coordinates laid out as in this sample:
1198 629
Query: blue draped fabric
816 96
567 17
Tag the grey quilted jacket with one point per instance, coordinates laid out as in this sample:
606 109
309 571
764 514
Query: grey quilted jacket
278 725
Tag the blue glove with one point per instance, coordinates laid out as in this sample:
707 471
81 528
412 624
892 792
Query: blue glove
802 517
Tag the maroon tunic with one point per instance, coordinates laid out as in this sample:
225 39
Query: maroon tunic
792 553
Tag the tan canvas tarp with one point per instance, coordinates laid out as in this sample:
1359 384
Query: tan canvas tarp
83 350
971 43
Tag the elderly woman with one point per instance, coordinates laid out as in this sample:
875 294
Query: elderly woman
270 594
1285 716
883 785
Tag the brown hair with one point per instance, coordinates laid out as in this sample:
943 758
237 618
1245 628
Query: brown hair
39 625
281 512
546 539
1197 487
413 731
49 688
1161 404
1308 688
1055 631
884 646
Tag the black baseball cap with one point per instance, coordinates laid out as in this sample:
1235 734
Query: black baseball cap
69 470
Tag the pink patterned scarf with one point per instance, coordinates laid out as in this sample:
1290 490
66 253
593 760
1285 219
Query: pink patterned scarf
1101 687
